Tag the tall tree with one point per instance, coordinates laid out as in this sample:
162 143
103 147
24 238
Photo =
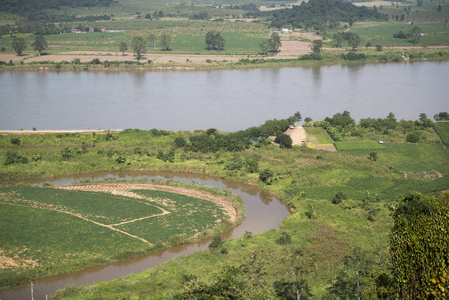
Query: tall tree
166 40
19 44
275 42
214 40
123 47
152 40
138 46
419 247
352 278
354 40
415 33
264 47
39 44
317 46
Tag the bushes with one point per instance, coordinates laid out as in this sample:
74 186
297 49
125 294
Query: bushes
412 138
266 176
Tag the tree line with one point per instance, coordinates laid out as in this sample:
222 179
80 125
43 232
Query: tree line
324 14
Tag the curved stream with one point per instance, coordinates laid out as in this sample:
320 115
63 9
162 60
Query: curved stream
263 212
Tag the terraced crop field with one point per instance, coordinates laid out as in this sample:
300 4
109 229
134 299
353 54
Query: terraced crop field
58 230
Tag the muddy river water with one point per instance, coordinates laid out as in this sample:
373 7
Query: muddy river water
228 100
263 212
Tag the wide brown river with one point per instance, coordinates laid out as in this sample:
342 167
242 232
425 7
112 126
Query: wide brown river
228 100
263 212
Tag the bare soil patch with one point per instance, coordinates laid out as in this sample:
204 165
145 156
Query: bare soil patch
294 48
10 260
298 135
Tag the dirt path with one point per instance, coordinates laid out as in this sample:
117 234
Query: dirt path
298 135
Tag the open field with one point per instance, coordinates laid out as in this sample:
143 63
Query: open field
124 220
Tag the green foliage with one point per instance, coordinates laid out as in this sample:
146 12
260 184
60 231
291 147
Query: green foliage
214 40
215 243
15 141
275 42
138 44
13 157
266 176
322 14
39 44
442 128
284 239
412 137
19 44
284 140
339 197
419 247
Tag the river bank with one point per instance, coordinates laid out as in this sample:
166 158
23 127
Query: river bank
112 62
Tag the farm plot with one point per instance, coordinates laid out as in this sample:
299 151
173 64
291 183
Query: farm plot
50 231
189 216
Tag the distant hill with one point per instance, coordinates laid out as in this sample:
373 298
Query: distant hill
323 14
29 8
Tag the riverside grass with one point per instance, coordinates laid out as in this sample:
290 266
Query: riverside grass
305 179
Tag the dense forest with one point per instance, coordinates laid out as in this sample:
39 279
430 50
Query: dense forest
33 9
319 14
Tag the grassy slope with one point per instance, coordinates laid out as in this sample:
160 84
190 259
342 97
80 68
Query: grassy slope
319 174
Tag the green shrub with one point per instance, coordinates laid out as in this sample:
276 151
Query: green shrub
340 196
266 176
412 138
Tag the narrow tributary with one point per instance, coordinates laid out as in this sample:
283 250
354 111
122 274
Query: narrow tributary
263 212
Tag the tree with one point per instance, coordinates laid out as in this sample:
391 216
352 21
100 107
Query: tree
166 40
138 46
275 42
284 140
152 40
415 33
39 44
297 117
379 47
266 176
352 278
419 247
123 47
354 40
296 265
317 46
264 47
214 40
19 44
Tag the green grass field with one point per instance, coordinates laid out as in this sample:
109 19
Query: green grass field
51 232
382 34
442 128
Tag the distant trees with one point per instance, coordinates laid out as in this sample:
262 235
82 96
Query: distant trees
39 44
264 47
123 47
214 40
415 34
354 40
166 40
19 44
152 40
272 44
317 46
275 42
442 116
324 14
138 44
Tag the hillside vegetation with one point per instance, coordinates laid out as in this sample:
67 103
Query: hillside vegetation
343 202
